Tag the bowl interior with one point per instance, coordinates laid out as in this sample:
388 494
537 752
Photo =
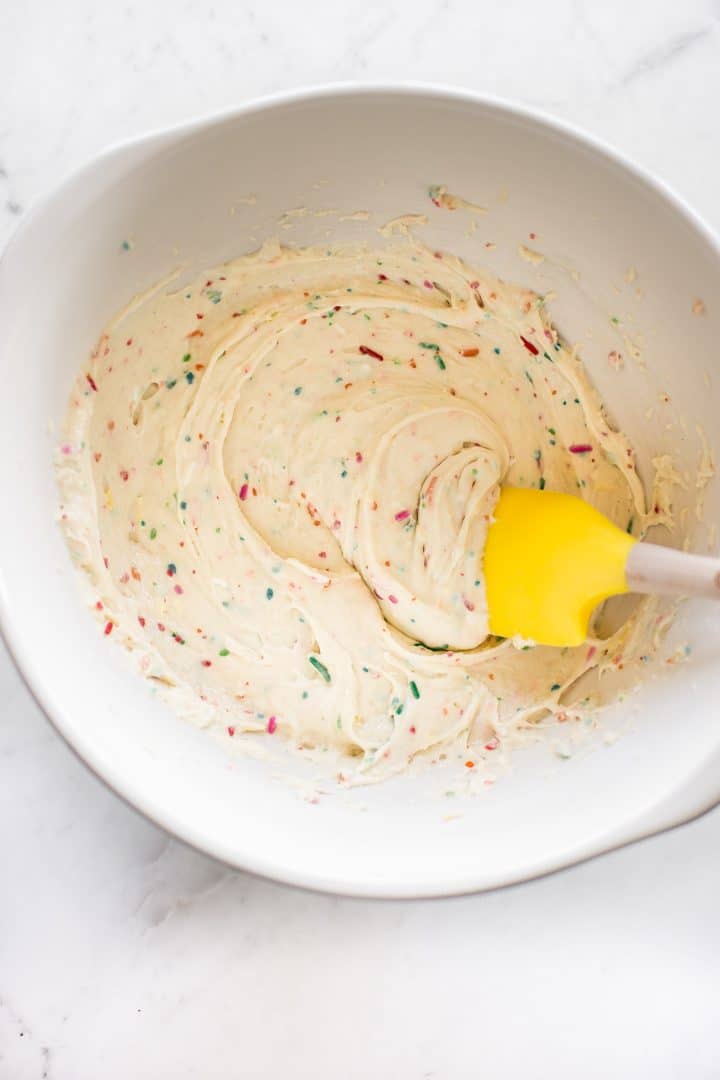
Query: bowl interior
183 197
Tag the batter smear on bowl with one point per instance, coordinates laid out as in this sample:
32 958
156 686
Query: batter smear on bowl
279 479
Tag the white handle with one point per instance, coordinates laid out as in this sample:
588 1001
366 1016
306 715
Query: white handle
654 569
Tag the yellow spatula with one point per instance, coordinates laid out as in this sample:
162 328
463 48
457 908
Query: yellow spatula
551 558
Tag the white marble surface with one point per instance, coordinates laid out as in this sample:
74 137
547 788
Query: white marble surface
123 954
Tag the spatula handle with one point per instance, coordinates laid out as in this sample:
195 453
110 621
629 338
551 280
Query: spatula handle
654 569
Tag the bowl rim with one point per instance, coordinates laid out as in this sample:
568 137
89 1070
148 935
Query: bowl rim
252 862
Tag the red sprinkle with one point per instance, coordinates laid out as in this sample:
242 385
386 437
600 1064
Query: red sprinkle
141 620
231 730
272 725
402 515
580 448
366 351
358 456
92 382
392 599
206 663
382 277
529 346
108 628
243 492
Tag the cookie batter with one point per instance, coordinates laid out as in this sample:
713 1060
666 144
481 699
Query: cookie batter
279 479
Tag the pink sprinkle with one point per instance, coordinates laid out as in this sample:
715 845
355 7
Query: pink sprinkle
272 725
402 515
66 449
358 456
591 652
428 284
580 448
493 744
413 729
179 589
468 604
392 599
231 730
243 492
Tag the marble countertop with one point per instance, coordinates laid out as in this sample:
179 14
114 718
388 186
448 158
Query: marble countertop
125 955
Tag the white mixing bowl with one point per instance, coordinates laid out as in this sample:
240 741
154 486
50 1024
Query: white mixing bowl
124 221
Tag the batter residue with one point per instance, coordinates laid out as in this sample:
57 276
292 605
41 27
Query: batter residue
279 479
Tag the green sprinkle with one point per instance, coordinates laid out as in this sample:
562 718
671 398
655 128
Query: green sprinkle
172 569
297 391
548 357
555 686
170 383
320 667
630 524
153 533
338 723
552 431
189 376
183 505
126 245
414 689
429 345
541 483
431 648
496 351
160 461
269 593
215 295
224 652
187 358
440 362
